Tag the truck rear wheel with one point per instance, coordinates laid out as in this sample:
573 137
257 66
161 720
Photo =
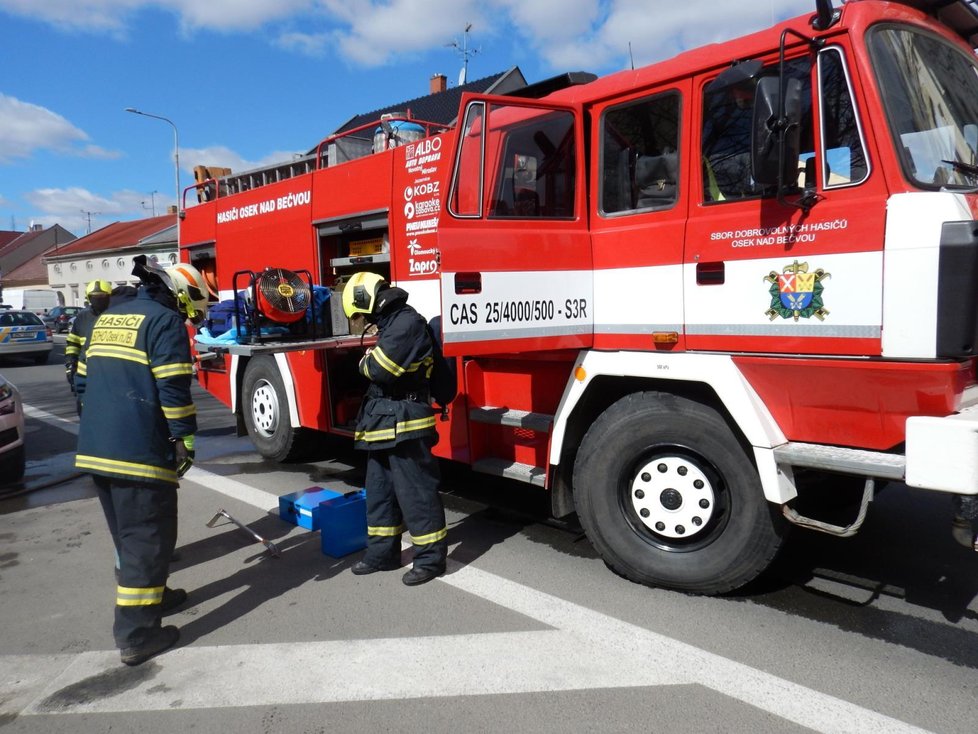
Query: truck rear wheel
669 497
265 406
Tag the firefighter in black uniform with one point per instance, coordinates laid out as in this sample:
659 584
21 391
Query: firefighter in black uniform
136 438
97 292
396 426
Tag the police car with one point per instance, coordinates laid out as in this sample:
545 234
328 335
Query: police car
22 333
12 457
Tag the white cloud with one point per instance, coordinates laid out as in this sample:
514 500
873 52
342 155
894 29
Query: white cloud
585 34
231 15
593 35
223 157
307 44
372 33
112 16
26 128
102 16
76 208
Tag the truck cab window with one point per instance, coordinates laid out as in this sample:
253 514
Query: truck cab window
843 152
536 171
726 136
929 88
639 163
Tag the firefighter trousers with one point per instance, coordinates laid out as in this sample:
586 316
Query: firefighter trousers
402 489
142 520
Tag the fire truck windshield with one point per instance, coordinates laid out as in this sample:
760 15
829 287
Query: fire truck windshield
930 90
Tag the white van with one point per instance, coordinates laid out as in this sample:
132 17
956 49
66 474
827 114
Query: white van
38 300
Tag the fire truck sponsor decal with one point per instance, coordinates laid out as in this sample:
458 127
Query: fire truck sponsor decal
424 152
796 292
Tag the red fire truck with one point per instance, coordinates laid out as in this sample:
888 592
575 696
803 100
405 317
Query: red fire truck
675 294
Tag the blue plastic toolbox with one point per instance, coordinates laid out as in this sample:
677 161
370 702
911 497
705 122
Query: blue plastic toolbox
343 523
302 508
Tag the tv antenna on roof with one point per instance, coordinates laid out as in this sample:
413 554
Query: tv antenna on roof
88 216
465 52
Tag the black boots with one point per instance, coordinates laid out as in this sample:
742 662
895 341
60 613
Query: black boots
418 576
162 639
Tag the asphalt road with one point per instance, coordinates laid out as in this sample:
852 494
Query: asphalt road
528 632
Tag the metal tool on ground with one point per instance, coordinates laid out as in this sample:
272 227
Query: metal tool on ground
267 543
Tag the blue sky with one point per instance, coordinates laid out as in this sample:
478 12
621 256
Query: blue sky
250 82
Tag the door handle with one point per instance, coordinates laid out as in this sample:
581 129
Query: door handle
712 273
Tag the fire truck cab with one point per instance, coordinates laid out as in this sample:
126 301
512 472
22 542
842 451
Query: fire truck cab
674 294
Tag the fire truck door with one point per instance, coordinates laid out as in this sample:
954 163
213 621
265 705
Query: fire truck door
641 195
515 252
768 275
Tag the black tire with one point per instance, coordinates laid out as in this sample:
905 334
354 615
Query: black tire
12 466
669 497
265 408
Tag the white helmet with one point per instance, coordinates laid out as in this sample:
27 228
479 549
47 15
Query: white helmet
190 289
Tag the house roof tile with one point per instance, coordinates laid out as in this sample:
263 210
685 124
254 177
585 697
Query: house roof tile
118 235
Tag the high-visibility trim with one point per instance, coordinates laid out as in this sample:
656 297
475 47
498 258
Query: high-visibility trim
117 352
128 596
183 411
381 531
386 434
386 362
82 369
169 370
430 537
416 425
402 427
124 468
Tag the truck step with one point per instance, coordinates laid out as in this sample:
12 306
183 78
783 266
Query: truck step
843 460
540 422
511 470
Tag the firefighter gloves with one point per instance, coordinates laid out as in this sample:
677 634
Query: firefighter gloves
184 449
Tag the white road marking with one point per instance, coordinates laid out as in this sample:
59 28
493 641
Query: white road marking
584 650
65 424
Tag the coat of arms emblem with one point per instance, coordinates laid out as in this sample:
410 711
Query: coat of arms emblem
796 293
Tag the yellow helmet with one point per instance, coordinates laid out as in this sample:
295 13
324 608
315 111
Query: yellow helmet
360 293
98 286
190 289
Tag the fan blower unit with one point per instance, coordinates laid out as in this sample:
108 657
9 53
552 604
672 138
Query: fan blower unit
283 296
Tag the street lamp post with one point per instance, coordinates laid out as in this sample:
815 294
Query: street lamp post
176 158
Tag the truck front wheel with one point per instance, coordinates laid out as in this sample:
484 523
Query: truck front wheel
265 407
669 497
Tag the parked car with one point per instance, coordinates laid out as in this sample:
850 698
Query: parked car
22 333
59 318
12 455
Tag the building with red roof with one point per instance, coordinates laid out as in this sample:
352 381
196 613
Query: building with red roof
21 266
107 253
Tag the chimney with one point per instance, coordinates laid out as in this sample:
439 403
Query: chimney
172 209
37 227
439 83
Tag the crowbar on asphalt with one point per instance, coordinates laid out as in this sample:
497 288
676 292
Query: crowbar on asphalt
267 543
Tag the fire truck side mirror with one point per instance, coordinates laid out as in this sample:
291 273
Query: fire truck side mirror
775 138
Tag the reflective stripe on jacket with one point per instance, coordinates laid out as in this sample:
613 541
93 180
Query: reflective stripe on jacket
396 407
135 376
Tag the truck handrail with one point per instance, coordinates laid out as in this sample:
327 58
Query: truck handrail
235 183
430 128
